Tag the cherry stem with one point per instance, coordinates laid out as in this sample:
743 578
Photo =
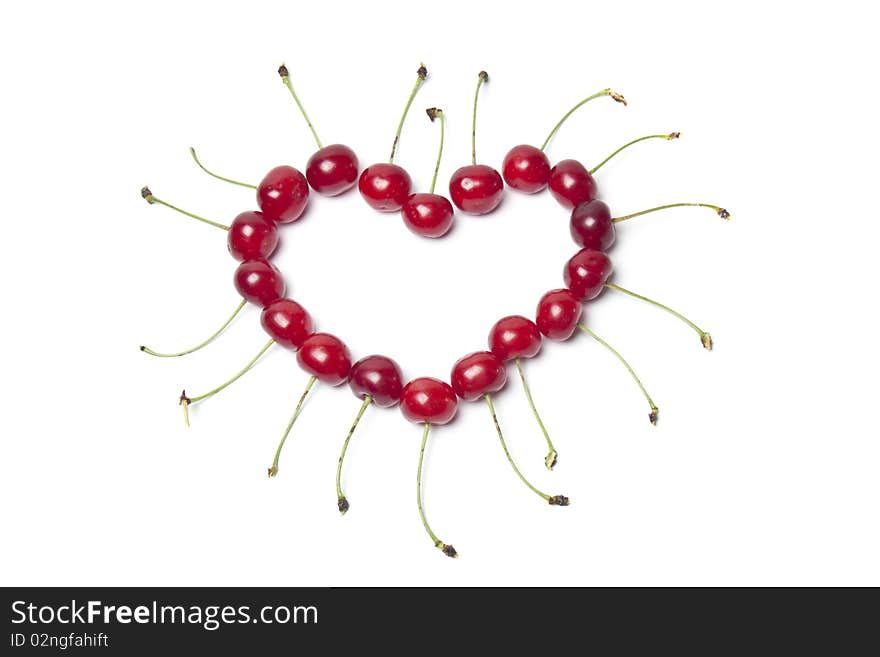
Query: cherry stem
342 502
550 459
448 550
192 151
705 338
652 416
605 92
422 73
210 339
481 78
433 113
724 214
285 78
669 137
274 469
148 196
558 500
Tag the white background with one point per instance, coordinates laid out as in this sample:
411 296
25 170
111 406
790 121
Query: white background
764 466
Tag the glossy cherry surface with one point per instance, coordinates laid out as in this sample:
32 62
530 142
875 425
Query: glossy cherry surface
476 189
586 272
428 400
259 281
591 226
428 215
332 170
478 374
282 194
526 168
287 323
252 236
379 377
558 314
571 184
325 357
385 187
514 337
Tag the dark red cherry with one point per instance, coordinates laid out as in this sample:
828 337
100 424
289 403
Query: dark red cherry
282 194
332 170
379 377
585 274
591 226
571 184
478 374
526 168
428 400
428 215
558 313
252 236
287 323
325 357
514 337
476 189
385 187
259 281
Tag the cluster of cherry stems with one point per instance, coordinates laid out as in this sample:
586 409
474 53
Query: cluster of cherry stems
475 189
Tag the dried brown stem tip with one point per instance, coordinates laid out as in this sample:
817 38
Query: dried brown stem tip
706 339
484 76
273 471
343 505
422 72
433 113
550 460
652 416
616 96
724 214
147 194
184 404
558 500
283 72
673 135
448 550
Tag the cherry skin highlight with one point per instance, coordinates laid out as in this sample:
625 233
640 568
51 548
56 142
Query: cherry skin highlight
428 400
259 281
428 215
325 357
385 187
478 374
476 189
287 323
586 272
379 377
571 184
526 168
332 170
282 194
252 236
558 314
591 226
514 337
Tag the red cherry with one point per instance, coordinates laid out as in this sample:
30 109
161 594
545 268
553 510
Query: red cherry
571 184
332 170
586 272
514 337
428 215
287 323
282 194
252 236
476 189
526 168
591 226
259 281
325 357
478 374
558 314
385 187
428 400
379 377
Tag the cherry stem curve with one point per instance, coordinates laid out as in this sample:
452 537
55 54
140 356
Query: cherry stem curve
192 151
550 459
605 92
445 548
724 214
285 78
669 137
274 469
422 73
342 501
435 113
481 78
210 339
149 198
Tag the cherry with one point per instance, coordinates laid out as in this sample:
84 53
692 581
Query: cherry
558 314
526 168
571 184
476 188
325 357
514 337
287 323
430 215
377 378
478 374
586 272
428 400
252 236
259 281
282 194
591 226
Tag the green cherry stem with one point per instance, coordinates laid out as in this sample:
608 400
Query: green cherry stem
274 469
437 113
148 196
342 502
557 500
669 137
285 78
210 339
705 338
192 151
482 78
652 416
605 92
550 459
724 214
445 548
421 74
